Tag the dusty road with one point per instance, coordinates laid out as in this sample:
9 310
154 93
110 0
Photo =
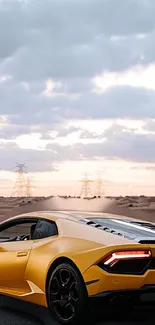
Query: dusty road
9 317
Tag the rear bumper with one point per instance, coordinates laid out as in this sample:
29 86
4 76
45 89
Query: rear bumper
124 299
129 292
100 282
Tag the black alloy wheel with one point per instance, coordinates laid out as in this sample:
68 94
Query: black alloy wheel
67 295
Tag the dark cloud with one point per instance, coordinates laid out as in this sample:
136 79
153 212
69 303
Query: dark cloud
64 132
118 102
34 159
120 144
71 42
47 38
8 132
124 145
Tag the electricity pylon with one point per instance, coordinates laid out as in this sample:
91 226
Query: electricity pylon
22 186
29 186
86 187
99 186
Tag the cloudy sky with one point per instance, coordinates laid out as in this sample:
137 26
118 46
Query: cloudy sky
77 92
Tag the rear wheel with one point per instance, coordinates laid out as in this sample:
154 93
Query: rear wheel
67 295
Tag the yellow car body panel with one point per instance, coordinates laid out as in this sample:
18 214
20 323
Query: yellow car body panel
116 282
24 265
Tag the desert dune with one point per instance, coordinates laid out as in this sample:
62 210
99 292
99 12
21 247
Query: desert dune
136 207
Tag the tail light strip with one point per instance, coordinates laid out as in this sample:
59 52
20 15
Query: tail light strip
113 258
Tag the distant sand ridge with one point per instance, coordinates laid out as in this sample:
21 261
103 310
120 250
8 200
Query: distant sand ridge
136 207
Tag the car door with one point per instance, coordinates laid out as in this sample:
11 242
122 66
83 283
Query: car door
14 256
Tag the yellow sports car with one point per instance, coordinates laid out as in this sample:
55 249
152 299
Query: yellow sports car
58 259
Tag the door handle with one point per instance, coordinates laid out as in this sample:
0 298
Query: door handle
21 254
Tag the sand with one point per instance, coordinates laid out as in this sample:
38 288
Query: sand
136 207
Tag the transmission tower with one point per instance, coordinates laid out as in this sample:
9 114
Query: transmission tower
86 187
99 186
19 188
28 187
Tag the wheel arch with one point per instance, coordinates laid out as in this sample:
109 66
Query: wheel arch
55 263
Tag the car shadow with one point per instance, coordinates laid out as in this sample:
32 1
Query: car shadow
144 315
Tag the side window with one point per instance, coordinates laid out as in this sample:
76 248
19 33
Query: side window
10 232
44 229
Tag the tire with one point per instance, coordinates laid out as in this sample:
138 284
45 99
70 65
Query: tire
67 295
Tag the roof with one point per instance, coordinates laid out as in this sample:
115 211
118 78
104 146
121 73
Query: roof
118 229
71 215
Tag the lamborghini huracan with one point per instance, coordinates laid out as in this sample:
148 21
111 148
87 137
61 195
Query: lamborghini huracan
60 259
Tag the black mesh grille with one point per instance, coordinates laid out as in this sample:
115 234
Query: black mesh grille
143 234
96 224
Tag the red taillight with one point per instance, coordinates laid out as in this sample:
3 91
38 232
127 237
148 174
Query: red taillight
113 258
